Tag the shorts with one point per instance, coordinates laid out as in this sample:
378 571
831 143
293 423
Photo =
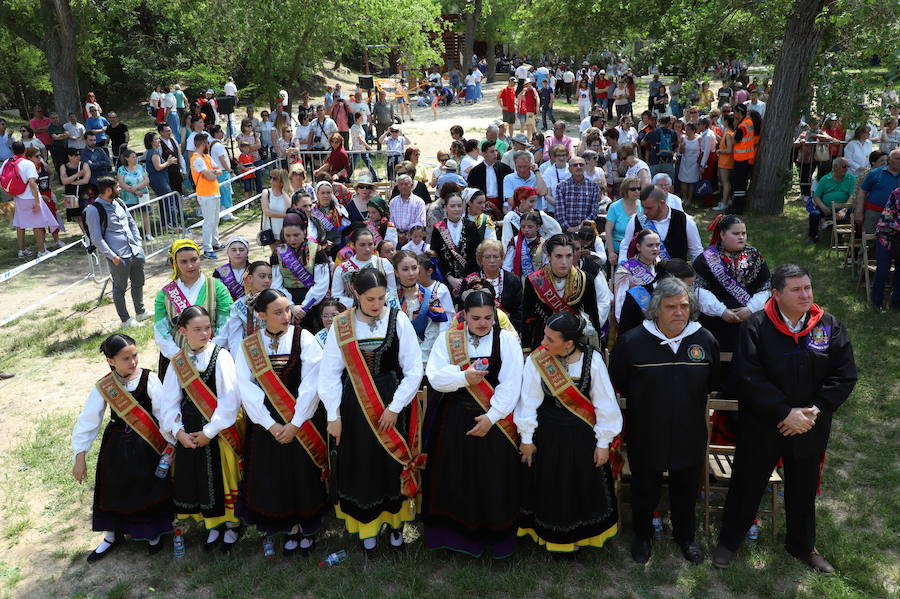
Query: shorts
509 117
526 118
401 100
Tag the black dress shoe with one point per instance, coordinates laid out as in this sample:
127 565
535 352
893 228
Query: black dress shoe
722 557
817 562
691 552
96 557
154 549
640 550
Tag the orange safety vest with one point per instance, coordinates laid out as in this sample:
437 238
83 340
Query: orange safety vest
745 150
205 187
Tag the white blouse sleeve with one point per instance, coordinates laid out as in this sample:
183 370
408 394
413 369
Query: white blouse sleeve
490 232
447 304
505 231
319 289
626 240
170 404
443 376
709 303
337 288
251 394
509 259
391 235
88 424
162 334
509 385
410 362
331 367
759 299
229 399
604 297
606 408
307 399
551 225
530 400
389 275
233 329
620 281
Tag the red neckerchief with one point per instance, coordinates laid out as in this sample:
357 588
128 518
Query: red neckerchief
774 314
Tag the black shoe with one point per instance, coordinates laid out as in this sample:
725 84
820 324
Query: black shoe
722 557
691 552
640 550
96 557
814 561
154 549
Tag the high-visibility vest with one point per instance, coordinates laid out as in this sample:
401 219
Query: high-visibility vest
745 150
205 187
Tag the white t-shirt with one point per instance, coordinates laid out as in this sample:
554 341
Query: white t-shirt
155 98
360 107
27 171
470 79
168 101
323 130
478 76
216 151
301 135
522 71
357 137
230 89
630 136
568 76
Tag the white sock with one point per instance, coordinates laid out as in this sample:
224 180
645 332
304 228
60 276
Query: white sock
154 542
369 543
106 543
231 536
290 545
213 536
396 538
306 542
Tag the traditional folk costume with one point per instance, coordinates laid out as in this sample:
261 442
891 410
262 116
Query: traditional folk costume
200 393
636 301
507 294
667 384
233 278
128 497
524 256
631 273
512 223
430 312
454 245
485 226
545 295
331 222
365 369
568 502
176 296
304 273
283 484
341 288
473 484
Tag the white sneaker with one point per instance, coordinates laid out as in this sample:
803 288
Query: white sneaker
148 237
143 316
25 253
44 253
227 217
131 322
720 206
60 244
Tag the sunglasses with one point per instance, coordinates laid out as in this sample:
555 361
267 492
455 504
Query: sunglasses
634 189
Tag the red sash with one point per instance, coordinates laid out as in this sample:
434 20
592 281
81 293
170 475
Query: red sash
408 454
203 398
285 404
557 379
127 407
547 292
448 241
483 392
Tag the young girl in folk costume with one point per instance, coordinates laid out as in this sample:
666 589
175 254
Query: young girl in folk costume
454 241
301 264
473 481
569 500
561 287
370 371
525 253
523 202
364 245
417 244
188 287
232 273
473 282
330 216
428 307
129 499
378 220
386 249
286 457
507 286
475 205
639 269
330 308
200 406
243 320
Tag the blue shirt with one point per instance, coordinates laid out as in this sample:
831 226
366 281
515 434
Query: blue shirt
619 218
513 180
6 146
880 183
97 123
450 177
98 160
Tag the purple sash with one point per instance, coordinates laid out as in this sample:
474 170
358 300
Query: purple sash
226 275
646 223
638 271
290 261
326 222
729 283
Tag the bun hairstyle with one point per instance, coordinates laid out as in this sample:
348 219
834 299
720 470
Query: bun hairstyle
558 240
295 219
190 313
532 217
587 233
720 225
115 343
265 298
479 298
674 267
360 230
569 325
254 266
366 279
643 234
402 255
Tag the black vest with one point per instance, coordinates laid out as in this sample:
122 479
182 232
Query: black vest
676 238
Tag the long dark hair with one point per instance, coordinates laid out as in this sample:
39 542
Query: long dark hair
190 313
115 343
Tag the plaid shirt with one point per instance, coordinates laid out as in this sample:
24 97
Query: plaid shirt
406 213
576 202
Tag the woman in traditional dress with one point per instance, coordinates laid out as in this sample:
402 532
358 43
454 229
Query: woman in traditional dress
525 252
473 481
188 287
638 298
507 286
378 221
232 274
370 371
429 308
569 501
364 257
200 404
128 498
301 264
475 203
639 270
330 216
560 286
454 241
243 321
523 201
282 490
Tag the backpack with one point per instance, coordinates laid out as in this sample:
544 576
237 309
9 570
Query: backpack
10 177
664 150
91 248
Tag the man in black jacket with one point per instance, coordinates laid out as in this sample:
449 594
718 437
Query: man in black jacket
488 177
795 367
666 368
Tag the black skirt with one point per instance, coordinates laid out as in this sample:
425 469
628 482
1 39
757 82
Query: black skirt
198 479
281 486
472 484
566 499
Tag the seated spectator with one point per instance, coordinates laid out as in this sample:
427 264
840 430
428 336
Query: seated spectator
887 231
836 187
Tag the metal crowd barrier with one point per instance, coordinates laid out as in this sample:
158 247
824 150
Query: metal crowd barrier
378 164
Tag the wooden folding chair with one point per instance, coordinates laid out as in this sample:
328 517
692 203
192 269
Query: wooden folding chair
867 264
841 232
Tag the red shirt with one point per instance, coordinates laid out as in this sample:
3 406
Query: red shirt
602 87
337 161
247 161
528 101
508 99
43 123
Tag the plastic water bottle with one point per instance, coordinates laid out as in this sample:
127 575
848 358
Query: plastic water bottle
657 526
753 533
334 558
165 462
480 364
178 543
268 548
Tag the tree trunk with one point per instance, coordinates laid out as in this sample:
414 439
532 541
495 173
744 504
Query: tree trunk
59 47
491 57
798 52
472 20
